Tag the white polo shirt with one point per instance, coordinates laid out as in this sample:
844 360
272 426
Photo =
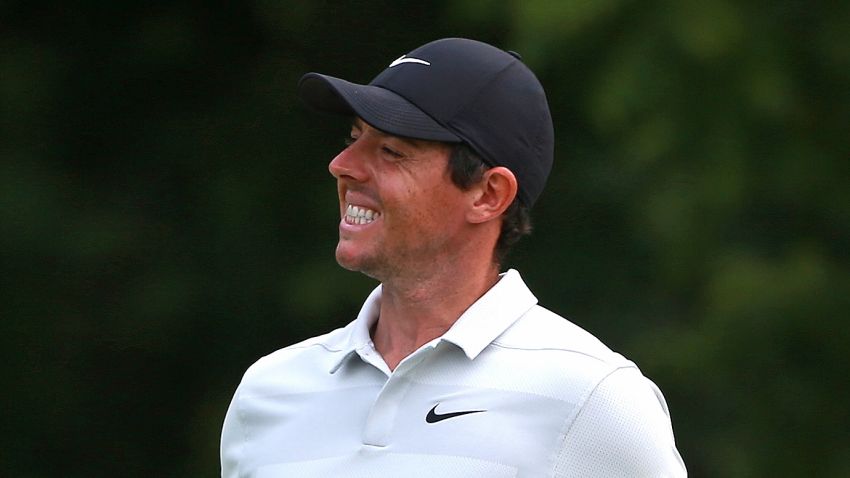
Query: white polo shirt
511 390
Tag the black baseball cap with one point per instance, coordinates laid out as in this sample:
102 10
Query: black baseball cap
454 90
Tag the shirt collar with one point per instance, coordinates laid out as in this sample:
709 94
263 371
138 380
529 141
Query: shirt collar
492 314
358 330
485 320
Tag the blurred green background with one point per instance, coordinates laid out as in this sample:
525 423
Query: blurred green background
166 215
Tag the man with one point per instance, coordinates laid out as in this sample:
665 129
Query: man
450 369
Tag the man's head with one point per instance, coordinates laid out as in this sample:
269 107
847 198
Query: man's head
454 90
474 97
403 213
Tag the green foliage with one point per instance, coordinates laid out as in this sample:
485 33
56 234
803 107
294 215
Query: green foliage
166 216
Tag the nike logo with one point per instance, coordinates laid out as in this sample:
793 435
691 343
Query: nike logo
405 59
434 417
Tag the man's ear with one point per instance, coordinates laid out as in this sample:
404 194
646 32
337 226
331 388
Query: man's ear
492 195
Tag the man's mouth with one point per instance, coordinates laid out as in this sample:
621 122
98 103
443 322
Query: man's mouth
359 215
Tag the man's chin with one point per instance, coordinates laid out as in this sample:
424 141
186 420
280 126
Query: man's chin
356 263
348 259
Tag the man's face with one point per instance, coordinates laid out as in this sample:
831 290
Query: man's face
401 213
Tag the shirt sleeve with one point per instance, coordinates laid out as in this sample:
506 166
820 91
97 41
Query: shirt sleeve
232 441
622 430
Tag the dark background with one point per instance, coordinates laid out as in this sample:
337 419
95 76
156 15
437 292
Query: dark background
166 215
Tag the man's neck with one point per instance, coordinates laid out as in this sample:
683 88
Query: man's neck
414 312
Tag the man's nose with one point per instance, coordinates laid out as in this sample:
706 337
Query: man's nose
349 163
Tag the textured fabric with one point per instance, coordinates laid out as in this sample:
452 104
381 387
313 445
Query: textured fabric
549 400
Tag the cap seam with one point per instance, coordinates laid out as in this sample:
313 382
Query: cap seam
481 89
523 192
471 100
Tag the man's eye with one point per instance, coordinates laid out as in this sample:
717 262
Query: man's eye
391 152
349 141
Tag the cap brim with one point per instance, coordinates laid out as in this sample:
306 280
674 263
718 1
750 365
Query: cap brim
377 106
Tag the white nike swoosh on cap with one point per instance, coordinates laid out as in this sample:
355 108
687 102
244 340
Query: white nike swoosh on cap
405 59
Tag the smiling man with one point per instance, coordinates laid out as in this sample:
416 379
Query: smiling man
451 369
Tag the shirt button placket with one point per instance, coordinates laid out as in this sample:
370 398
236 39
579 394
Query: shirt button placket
382 416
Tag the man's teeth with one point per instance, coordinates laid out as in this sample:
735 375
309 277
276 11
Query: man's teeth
359 215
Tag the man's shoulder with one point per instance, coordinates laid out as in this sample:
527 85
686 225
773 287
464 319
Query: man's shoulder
542 354
304 357
540 329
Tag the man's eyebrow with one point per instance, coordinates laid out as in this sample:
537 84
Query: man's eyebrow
361 125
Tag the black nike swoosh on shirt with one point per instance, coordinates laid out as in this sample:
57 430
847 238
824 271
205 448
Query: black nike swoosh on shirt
434 417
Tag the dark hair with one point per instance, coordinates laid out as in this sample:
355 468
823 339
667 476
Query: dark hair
467 168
